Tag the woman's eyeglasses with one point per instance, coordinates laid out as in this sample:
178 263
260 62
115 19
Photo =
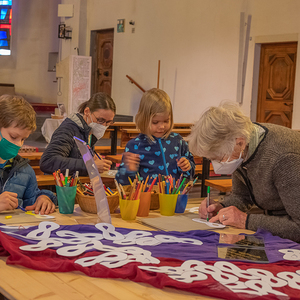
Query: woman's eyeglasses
103 121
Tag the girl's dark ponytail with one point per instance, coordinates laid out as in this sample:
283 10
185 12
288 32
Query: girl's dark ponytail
98 101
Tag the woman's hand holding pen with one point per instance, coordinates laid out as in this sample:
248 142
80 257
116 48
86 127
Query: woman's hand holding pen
231 216
8 201
102 164
131 161
184 164
209 211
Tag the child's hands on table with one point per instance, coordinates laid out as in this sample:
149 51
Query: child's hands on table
43 204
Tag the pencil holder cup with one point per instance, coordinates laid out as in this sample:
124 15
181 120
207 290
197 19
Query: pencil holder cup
144 207
167 203
129 208
66 199
181 203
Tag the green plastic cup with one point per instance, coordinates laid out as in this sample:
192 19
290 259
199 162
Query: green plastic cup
66 198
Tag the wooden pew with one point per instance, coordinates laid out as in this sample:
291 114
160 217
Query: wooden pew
44 180
32 155
104 150
223 185
49 180
199 168
117 159
130 133
182 125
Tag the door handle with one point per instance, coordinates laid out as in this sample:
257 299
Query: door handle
106 73
99 72
288 104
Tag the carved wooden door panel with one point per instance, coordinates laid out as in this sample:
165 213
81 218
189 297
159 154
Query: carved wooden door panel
276 83
102 57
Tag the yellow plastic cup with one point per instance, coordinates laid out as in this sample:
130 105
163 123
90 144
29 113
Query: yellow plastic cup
167 203
129 208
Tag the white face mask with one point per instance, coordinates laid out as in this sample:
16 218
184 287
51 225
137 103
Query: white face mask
98 130
227 167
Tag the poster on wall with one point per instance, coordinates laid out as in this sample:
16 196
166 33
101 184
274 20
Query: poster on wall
80 81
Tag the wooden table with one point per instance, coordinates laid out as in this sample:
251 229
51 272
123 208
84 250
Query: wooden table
32 155
117 159
130 133
223 185
114 134
43 180
20 283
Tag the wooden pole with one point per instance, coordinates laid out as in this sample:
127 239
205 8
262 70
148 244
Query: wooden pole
158 74
134 82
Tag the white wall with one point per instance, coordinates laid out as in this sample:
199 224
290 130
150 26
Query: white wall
34 35
197 42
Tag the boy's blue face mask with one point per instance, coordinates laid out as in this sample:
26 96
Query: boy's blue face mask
8 149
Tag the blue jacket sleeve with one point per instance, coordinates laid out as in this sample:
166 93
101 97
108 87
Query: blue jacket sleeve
32 191
185 152
123 174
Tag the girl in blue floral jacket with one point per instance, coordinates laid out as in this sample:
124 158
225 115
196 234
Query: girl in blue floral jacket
156 150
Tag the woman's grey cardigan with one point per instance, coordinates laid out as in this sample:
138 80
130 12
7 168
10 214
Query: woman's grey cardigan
270 179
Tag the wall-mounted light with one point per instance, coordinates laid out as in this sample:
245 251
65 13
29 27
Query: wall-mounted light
132 23
64 32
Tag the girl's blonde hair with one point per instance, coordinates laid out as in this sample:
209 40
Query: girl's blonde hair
153 102
214 135
15 109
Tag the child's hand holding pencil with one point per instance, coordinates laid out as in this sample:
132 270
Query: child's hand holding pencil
131 161
184 164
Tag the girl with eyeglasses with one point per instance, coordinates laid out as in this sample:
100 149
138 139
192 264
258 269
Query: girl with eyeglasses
89 124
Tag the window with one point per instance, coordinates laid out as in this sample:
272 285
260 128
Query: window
5 26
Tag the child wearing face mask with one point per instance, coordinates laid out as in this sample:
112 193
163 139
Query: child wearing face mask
17 179
89 124
156 150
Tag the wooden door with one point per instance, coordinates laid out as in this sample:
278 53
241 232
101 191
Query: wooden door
102 60
276 83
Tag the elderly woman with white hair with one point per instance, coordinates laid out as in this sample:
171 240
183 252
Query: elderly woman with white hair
264 160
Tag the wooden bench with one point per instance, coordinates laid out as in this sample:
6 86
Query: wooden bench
44 180
31 155
104 150
182 125
49 180
129 133
117 159
222 185
199 168
34 160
